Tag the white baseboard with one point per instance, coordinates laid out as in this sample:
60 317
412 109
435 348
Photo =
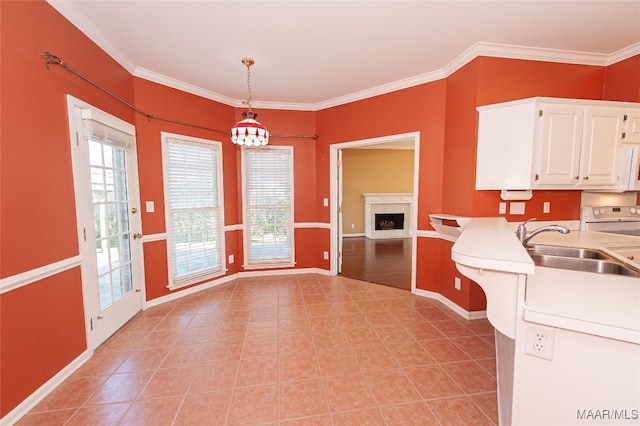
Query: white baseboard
34 399
473 315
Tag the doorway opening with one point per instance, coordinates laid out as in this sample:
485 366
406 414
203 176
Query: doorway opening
375 244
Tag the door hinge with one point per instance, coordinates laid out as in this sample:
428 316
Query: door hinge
91 323
540 113
537 177
84 233
77 139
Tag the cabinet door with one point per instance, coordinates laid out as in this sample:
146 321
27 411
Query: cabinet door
600 157
632 126
559 147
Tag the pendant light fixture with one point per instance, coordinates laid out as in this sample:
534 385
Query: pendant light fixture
248 131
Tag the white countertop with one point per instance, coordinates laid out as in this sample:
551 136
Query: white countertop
602 304
489 243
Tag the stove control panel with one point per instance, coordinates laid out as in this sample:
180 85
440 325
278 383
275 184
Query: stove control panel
604 213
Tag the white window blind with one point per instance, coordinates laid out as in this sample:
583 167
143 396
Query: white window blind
193 192
108 130
268 206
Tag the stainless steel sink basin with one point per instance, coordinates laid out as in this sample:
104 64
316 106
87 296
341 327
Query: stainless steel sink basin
573 252
600 266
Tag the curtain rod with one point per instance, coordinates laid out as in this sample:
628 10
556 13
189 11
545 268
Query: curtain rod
52 59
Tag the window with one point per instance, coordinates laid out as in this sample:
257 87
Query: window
193 208
268 206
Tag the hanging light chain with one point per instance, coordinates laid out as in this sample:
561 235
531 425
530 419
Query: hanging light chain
248 62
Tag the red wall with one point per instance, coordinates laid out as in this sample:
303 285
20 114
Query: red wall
170 103
622 81
42 324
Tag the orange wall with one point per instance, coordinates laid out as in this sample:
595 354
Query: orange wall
622 81
42 324
419 108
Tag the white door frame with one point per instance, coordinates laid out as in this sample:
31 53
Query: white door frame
85 223
335 234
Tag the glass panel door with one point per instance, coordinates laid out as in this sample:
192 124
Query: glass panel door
105 178
111 222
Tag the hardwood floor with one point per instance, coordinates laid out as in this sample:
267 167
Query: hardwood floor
382 261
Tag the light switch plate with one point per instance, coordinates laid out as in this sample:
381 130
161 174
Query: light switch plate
150 206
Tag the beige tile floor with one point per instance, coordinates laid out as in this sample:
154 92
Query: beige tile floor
303 349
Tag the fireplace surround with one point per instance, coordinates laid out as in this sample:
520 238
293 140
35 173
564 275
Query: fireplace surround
387 215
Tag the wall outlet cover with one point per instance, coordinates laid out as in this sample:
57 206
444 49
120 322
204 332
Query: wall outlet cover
516 208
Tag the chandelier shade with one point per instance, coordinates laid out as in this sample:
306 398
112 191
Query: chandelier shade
249 131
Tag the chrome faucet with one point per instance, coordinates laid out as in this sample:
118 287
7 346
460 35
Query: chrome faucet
525 236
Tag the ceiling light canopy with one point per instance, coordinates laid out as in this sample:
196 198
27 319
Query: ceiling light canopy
249 131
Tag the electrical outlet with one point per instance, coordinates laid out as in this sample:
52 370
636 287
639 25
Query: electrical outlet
502 208
456 283
539 341
516 208
353 225
325 255
231 259
546 207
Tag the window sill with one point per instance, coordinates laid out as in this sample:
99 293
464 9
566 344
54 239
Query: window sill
269 266
199 279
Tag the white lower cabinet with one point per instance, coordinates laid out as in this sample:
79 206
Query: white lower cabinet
550 143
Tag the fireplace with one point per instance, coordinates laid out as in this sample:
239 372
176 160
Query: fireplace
387 215
387 221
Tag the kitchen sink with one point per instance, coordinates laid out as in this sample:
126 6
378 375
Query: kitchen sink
600 266
573 252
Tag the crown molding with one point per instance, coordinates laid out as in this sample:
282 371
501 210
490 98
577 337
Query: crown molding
623 54
67 9
174 83
382 89
80 21
527 53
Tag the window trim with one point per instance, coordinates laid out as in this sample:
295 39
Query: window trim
267 264
174 284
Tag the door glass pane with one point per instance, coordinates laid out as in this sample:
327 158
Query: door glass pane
98 186
95 153
111 220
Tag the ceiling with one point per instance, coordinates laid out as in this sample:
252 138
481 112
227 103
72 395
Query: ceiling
311 55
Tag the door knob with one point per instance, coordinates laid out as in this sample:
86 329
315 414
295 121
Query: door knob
137 236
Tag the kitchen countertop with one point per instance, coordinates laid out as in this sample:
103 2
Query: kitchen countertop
601 304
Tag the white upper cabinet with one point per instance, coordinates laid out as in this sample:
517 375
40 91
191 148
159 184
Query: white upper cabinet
631 126
602 139
551 143
560 128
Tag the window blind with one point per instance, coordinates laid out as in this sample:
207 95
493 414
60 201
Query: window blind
195 221
107 130
268 205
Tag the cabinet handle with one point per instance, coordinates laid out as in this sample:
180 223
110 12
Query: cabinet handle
577 177
586 178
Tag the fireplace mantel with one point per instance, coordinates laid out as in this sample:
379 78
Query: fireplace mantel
387 203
